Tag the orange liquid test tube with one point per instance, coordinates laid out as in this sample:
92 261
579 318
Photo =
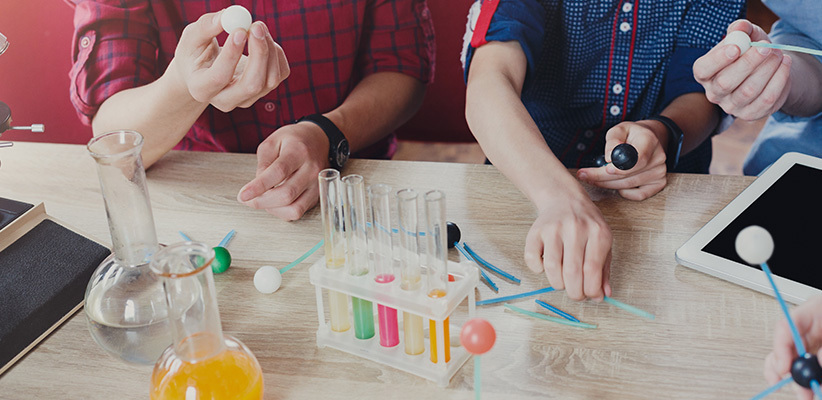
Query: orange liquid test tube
437 252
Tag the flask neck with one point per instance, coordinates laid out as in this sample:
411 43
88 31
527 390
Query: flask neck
185 270
123 185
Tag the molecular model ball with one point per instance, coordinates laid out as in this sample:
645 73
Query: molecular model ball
267 279
740 39
754 244
235 17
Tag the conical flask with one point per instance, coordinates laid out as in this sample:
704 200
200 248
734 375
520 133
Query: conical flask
202 362
125 304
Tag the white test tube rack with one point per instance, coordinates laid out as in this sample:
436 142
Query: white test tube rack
417 302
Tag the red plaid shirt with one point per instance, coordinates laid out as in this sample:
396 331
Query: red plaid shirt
330 44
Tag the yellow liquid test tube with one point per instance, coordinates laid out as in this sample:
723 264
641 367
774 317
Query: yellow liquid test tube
411 282
437 251
331 210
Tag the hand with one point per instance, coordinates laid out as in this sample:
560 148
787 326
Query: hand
571 242
288 162
750 87
223 76
808 320
648 176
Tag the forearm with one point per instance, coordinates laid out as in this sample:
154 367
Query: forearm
378 105
694 114
511 140
162 111
805 96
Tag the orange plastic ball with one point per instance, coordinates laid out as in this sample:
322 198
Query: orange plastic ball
478 336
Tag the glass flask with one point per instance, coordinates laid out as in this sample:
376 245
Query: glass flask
125 304
202 363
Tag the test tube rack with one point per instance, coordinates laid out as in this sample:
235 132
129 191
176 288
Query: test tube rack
392 295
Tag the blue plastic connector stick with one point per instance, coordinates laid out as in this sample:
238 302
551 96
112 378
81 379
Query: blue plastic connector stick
490 266
485 278
227 238
797 340
630 309
556 311
773 388
185 237
515 296
302 257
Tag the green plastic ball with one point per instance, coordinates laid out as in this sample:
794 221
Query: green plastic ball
222 260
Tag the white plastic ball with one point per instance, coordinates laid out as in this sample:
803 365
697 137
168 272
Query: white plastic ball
235 17
267 279
754 244
740 39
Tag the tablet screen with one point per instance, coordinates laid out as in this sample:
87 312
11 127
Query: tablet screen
791 210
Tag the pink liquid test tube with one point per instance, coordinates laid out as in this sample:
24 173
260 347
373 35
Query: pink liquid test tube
384 260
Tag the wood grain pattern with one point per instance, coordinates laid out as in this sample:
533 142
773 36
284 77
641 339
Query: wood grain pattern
709 340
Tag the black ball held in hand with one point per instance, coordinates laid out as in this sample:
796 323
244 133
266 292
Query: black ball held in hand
454 234
624 156
805 369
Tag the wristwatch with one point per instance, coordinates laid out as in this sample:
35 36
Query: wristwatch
338 150
675 137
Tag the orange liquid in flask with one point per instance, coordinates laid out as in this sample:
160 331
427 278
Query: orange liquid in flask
228 375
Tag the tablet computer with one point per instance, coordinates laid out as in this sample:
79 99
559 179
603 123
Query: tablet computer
786 201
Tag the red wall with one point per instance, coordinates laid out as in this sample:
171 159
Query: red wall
34 70
34 73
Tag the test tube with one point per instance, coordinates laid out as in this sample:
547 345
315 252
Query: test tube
331 210
357 258
384 260
410 279
437 251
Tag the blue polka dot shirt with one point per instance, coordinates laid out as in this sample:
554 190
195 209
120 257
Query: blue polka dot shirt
594 64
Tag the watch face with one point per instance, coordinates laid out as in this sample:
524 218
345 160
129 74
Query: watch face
343 152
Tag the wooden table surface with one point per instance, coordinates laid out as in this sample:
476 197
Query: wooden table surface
709 339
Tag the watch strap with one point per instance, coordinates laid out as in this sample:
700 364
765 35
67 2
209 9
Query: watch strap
335 138
675 136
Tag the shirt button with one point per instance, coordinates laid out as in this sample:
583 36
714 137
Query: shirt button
617 88
627 7
581 146
625 27
426 14
589 133
269 106
85 42
615 110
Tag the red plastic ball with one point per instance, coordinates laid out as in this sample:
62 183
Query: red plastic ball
478 336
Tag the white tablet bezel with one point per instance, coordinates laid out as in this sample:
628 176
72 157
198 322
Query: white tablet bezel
691 254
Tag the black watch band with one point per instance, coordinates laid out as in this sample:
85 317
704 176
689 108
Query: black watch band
675 137
338 150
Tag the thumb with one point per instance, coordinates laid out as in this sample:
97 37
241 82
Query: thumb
613 138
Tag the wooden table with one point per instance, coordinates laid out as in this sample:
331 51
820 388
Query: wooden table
709 339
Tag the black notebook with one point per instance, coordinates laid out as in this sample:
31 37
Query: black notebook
43 278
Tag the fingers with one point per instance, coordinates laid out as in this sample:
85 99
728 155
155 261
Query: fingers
534 250
622 180
552 259
645 191
207 82
271 177
573 252
715 60
606 274
773 95
597 251
297 208
202 31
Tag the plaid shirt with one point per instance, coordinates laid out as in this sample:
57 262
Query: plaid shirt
331 45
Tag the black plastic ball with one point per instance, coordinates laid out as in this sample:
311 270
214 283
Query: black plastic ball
624 156
454 234
805 369
600 161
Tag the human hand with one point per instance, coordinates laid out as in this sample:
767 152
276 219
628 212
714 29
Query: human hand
223 76
648 176
751 86
808 320
288 162
571 242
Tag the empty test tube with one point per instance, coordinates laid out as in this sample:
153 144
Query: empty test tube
331 210
410 277
357 256
437 259
384 260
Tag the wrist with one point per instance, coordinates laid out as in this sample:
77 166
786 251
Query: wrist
555 191
673 145
173 85
338 148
